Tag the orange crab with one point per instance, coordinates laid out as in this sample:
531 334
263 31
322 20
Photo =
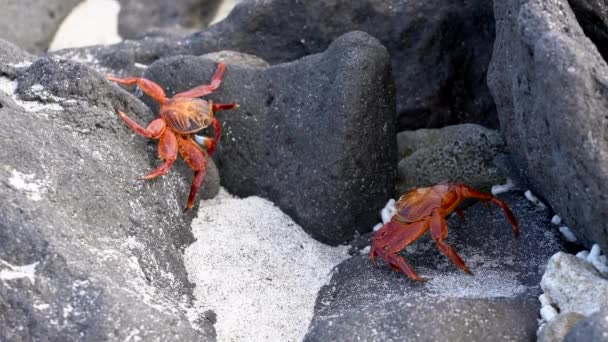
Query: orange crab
421 209
180 118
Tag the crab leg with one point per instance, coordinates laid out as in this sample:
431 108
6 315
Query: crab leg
153 131
196 158
398 236
224 106
468 192
439 231
206 89
149 87
167 151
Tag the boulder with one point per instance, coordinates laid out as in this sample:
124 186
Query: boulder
315 136
457 154
86 250
574 285
549 83
31 24
439 49
137 17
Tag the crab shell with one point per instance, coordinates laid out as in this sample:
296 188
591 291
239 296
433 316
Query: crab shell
187 115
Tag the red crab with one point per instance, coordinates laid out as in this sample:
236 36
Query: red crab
180 117
421 209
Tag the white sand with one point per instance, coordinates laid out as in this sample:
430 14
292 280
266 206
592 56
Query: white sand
92 22
225 7
95 22
256 269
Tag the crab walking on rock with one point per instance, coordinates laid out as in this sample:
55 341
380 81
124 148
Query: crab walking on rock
422 209
180 117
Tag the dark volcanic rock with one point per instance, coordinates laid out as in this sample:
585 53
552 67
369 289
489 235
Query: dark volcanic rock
460 153
550 85
593 328
439 49
136 17
592 15
87 251
31 24
315 136
499 302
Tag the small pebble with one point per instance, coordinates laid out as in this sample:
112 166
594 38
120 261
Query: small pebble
548 312
544 300
567 233
556 220
501 188
534 199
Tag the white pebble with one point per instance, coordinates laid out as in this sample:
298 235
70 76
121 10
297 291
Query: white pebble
388 211
582 255
548 312
534 199
567 233
594 252
601 264
597 260
365 250
378 226
544 300
500 188
556 220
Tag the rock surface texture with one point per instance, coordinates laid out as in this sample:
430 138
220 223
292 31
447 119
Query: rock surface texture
574 285
86 250
137 17
460 153
498 303
31 24
592 328
315 136
439 49
550 85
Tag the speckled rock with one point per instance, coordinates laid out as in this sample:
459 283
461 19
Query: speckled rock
307 134
550 84
460 153
556 329
498 303
31 24
439 49
136 17
574 285
87 251
593 328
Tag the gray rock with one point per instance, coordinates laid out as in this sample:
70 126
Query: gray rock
31 24
307 134
137 17
574 285
593 328
12 58
87 251
460 153
592 15
550 85
556 329
439 49
499 302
